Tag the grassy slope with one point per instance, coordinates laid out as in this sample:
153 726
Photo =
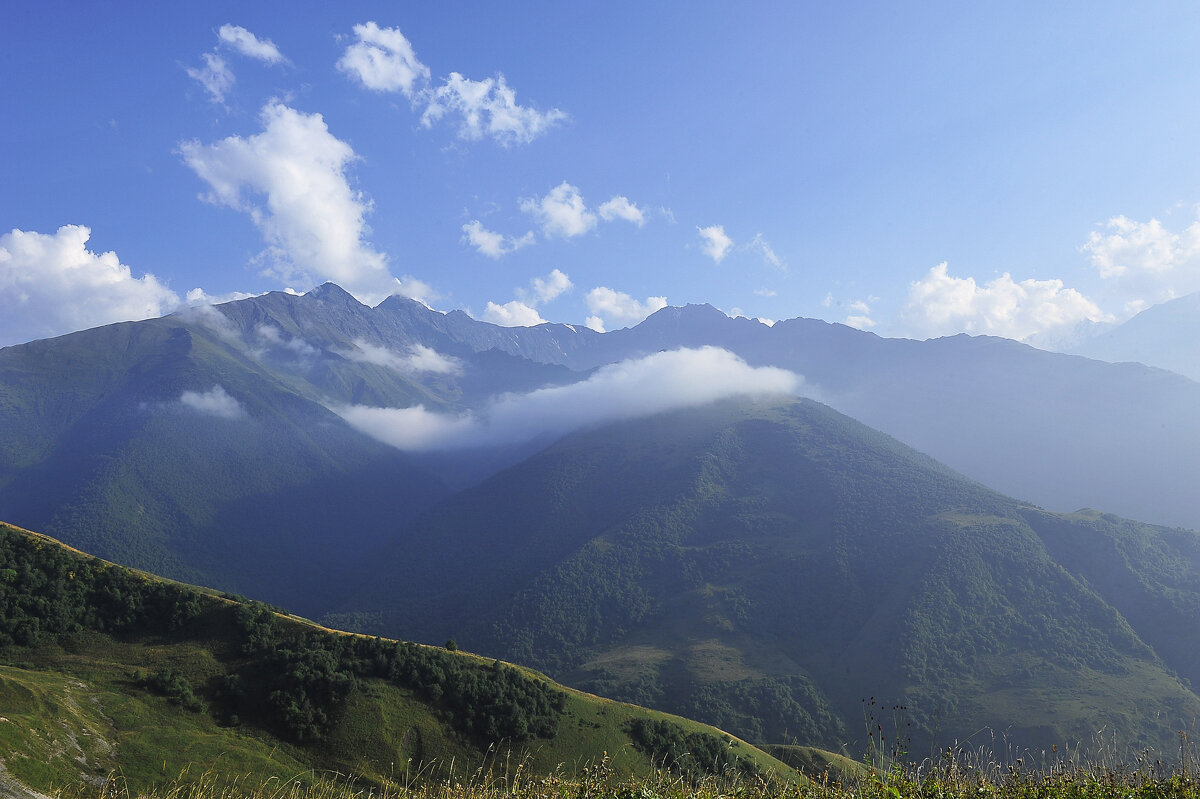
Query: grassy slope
766 567
76 709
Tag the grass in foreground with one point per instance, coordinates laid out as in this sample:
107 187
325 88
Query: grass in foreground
957 775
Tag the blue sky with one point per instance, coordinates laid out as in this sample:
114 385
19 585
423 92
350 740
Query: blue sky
1012 169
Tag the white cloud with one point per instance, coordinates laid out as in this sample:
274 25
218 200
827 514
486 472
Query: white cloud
214 402
419 359
1144 263
716 244
759 244
620 208
215 76
250 45
512 314
384 60
52 284
419 290
661 382
492 244
290 179
562 212
271 337
615 307
940 304
766 292
487 107
211 318
522 312
199 297
550 287
861 316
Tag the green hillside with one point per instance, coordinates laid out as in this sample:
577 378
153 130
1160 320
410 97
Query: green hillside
105 670
767 567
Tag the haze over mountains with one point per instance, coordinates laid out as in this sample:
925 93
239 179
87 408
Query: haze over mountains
1165 335
677 513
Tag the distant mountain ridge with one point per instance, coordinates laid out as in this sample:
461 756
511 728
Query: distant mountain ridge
1165 335
1011 416
99 449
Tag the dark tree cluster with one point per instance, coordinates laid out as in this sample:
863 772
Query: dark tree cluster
694 754
46 592
305 679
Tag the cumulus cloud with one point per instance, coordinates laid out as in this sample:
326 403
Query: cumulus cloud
291 181
512 314
1144 262
619 207
492 244
661 382
418 359
522 312
53 284
860 316
384 60
215 77
940 304
249 45
487 107
551 286
214 402
714 242
609 307
562 212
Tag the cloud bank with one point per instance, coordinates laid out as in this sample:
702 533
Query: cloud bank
661 382
53 284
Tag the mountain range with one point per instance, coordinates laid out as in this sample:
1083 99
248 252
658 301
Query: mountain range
756 525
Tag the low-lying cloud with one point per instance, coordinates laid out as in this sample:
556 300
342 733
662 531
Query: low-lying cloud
214 402
661 382
419 359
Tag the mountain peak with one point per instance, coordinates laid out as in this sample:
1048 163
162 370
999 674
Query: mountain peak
332 292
